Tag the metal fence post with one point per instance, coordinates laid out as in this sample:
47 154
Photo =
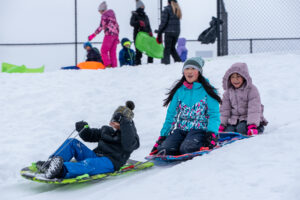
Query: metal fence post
76 39
218 29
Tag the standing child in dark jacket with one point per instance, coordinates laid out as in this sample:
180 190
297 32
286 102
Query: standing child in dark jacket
170 25
93 53
115 144
241 109
140 22
126 55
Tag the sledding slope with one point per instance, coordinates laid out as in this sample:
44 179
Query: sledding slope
38 111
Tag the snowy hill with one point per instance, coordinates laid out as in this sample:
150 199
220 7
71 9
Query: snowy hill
38 112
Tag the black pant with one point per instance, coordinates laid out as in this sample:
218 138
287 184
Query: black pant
241 127
170 43
182 142
138 57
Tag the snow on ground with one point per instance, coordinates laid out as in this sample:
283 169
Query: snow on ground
38 112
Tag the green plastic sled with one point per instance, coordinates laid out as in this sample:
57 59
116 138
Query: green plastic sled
10 68
147 44
31 173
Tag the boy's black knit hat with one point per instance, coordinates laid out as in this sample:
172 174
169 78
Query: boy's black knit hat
125 111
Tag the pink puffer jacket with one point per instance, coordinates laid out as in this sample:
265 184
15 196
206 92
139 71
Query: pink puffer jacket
108 23
242 104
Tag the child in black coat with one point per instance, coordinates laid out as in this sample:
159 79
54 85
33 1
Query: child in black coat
115 144
93 53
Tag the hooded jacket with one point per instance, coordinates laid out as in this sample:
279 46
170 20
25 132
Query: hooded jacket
108 23
241 104
192 109
181 49
126 55
116 145
93 55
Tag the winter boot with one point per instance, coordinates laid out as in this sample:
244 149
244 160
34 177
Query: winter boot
42 166
55 167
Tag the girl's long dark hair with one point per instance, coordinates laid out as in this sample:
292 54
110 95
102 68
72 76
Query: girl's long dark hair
208 88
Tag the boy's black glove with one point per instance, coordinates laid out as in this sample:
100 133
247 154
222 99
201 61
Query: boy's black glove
80 125
211 139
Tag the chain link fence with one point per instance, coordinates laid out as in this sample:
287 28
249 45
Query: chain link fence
261 26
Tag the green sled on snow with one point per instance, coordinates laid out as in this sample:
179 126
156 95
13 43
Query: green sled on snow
31 173
10 68
147 44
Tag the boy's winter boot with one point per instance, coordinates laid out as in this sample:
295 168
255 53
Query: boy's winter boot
55 167
42 166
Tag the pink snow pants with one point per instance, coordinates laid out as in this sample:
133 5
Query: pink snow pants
109 50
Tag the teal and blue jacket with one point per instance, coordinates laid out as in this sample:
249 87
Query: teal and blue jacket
192 109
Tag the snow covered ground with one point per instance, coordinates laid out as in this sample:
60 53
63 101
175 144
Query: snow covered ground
38 111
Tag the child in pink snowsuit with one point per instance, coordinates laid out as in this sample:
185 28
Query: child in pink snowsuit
111 39
241 108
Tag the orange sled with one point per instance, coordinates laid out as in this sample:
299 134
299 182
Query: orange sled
91 65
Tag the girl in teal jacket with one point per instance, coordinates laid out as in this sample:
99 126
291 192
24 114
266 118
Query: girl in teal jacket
193 116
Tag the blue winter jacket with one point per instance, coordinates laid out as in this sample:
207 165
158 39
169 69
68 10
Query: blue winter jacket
192 109
127 57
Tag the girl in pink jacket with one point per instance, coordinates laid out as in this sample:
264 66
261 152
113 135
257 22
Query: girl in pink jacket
241 108
111 39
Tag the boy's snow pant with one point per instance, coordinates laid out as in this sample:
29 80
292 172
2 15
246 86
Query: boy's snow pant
241 127
87 160
170 49
109 50
181 142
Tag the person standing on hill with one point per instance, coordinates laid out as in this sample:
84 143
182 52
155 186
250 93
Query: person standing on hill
126 54
181 49
170 25
111 39
140 22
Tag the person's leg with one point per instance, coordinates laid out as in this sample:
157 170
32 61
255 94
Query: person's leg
113 51
172 143
230 128
260 129
91 166
74 148
58 165
167 50
241 127
105 48
138 57
193 141
150 60
173 49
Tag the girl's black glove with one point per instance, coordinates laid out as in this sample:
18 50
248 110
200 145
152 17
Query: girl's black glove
158 142
211 139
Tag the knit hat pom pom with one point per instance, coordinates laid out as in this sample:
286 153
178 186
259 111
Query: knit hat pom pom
130 105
